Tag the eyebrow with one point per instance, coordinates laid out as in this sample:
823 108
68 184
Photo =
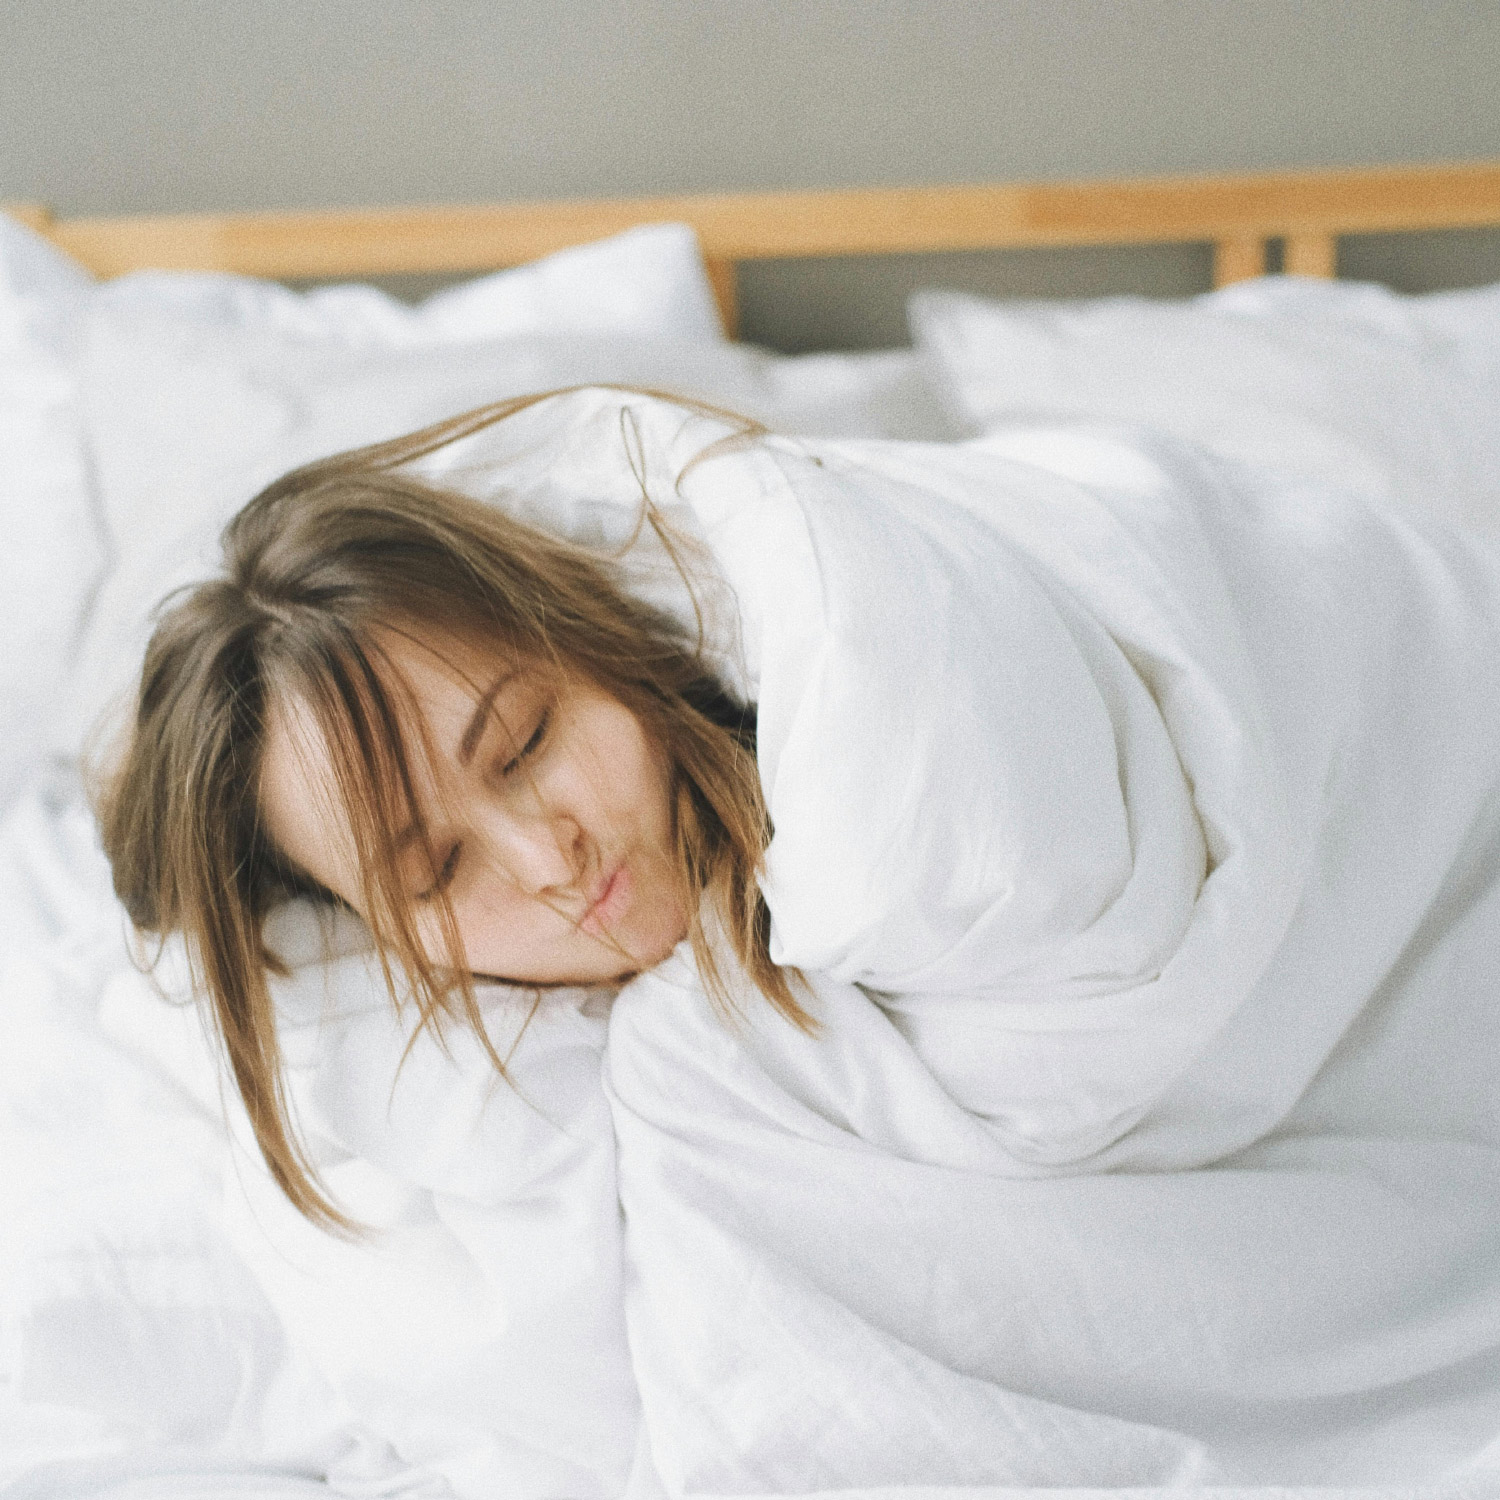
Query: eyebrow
475 731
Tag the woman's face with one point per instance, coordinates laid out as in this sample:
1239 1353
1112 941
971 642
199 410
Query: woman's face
548 817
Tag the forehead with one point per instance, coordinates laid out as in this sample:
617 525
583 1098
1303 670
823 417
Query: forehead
425 671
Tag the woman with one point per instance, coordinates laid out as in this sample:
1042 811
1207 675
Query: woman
1078 753
1103 814
400 700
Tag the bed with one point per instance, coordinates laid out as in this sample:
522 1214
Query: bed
168 1328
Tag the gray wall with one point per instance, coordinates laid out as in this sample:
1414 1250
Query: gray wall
143 105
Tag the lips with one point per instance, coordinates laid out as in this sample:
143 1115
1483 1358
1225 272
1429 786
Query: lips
610 899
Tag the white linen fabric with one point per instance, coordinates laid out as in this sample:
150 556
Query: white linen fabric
136 416
187 422
1138 829
63 526
1342 383
164 1312
52 547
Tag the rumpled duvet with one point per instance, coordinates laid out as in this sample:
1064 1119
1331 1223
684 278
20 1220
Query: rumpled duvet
1137 832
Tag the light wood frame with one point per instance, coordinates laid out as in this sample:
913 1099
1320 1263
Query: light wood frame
1239 215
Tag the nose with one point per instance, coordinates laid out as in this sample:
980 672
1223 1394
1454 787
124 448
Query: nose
540 853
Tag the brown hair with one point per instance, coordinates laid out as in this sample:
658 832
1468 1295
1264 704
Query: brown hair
313 567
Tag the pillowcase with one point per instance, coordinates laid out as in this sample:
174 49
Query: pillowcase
1337 383
1468 323
187 418
52 548
648 282
137 415
60 531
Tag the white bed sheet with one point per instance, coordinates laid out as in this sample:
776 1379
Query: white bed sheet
134 418
836 1278
169 1327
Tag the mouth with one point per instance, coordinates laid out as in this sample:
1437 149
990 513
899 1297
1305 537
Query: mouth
608 900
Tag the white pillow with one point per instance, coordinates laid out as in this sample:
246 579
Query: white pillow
187 419
1345 384
51 546
648 282
1468 322
75 507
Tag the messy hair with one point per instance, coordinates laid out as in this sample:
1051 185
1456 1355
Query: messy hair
314 568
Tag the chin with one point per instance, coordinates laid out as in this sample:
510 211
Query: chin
655 952
657 944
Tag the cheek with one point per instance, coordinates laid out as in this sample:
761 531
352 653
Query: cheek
620 775
643 783
493 938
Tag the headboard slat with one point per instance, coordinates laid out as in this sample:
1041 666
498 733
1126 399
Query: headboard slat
1238 257
1306 208
1310 255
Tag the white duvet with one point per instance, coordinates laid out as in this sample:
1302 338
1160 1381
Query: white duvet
1138 828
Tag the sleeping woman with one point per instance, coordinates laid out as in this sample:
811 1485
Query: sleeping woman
400 700
1036 818
1031 712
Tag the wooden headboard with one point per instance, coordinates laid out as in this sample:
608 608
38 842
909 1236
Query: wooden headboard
1239 215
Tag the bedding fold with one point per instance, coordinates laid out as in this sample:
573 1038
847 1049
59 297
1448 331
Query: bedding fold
1137 831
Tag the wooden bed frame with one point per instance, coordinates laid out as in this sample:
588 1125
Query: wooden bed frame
1239 215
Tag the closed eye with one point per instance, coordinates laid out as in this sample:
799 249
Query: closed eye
531 746
446 871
